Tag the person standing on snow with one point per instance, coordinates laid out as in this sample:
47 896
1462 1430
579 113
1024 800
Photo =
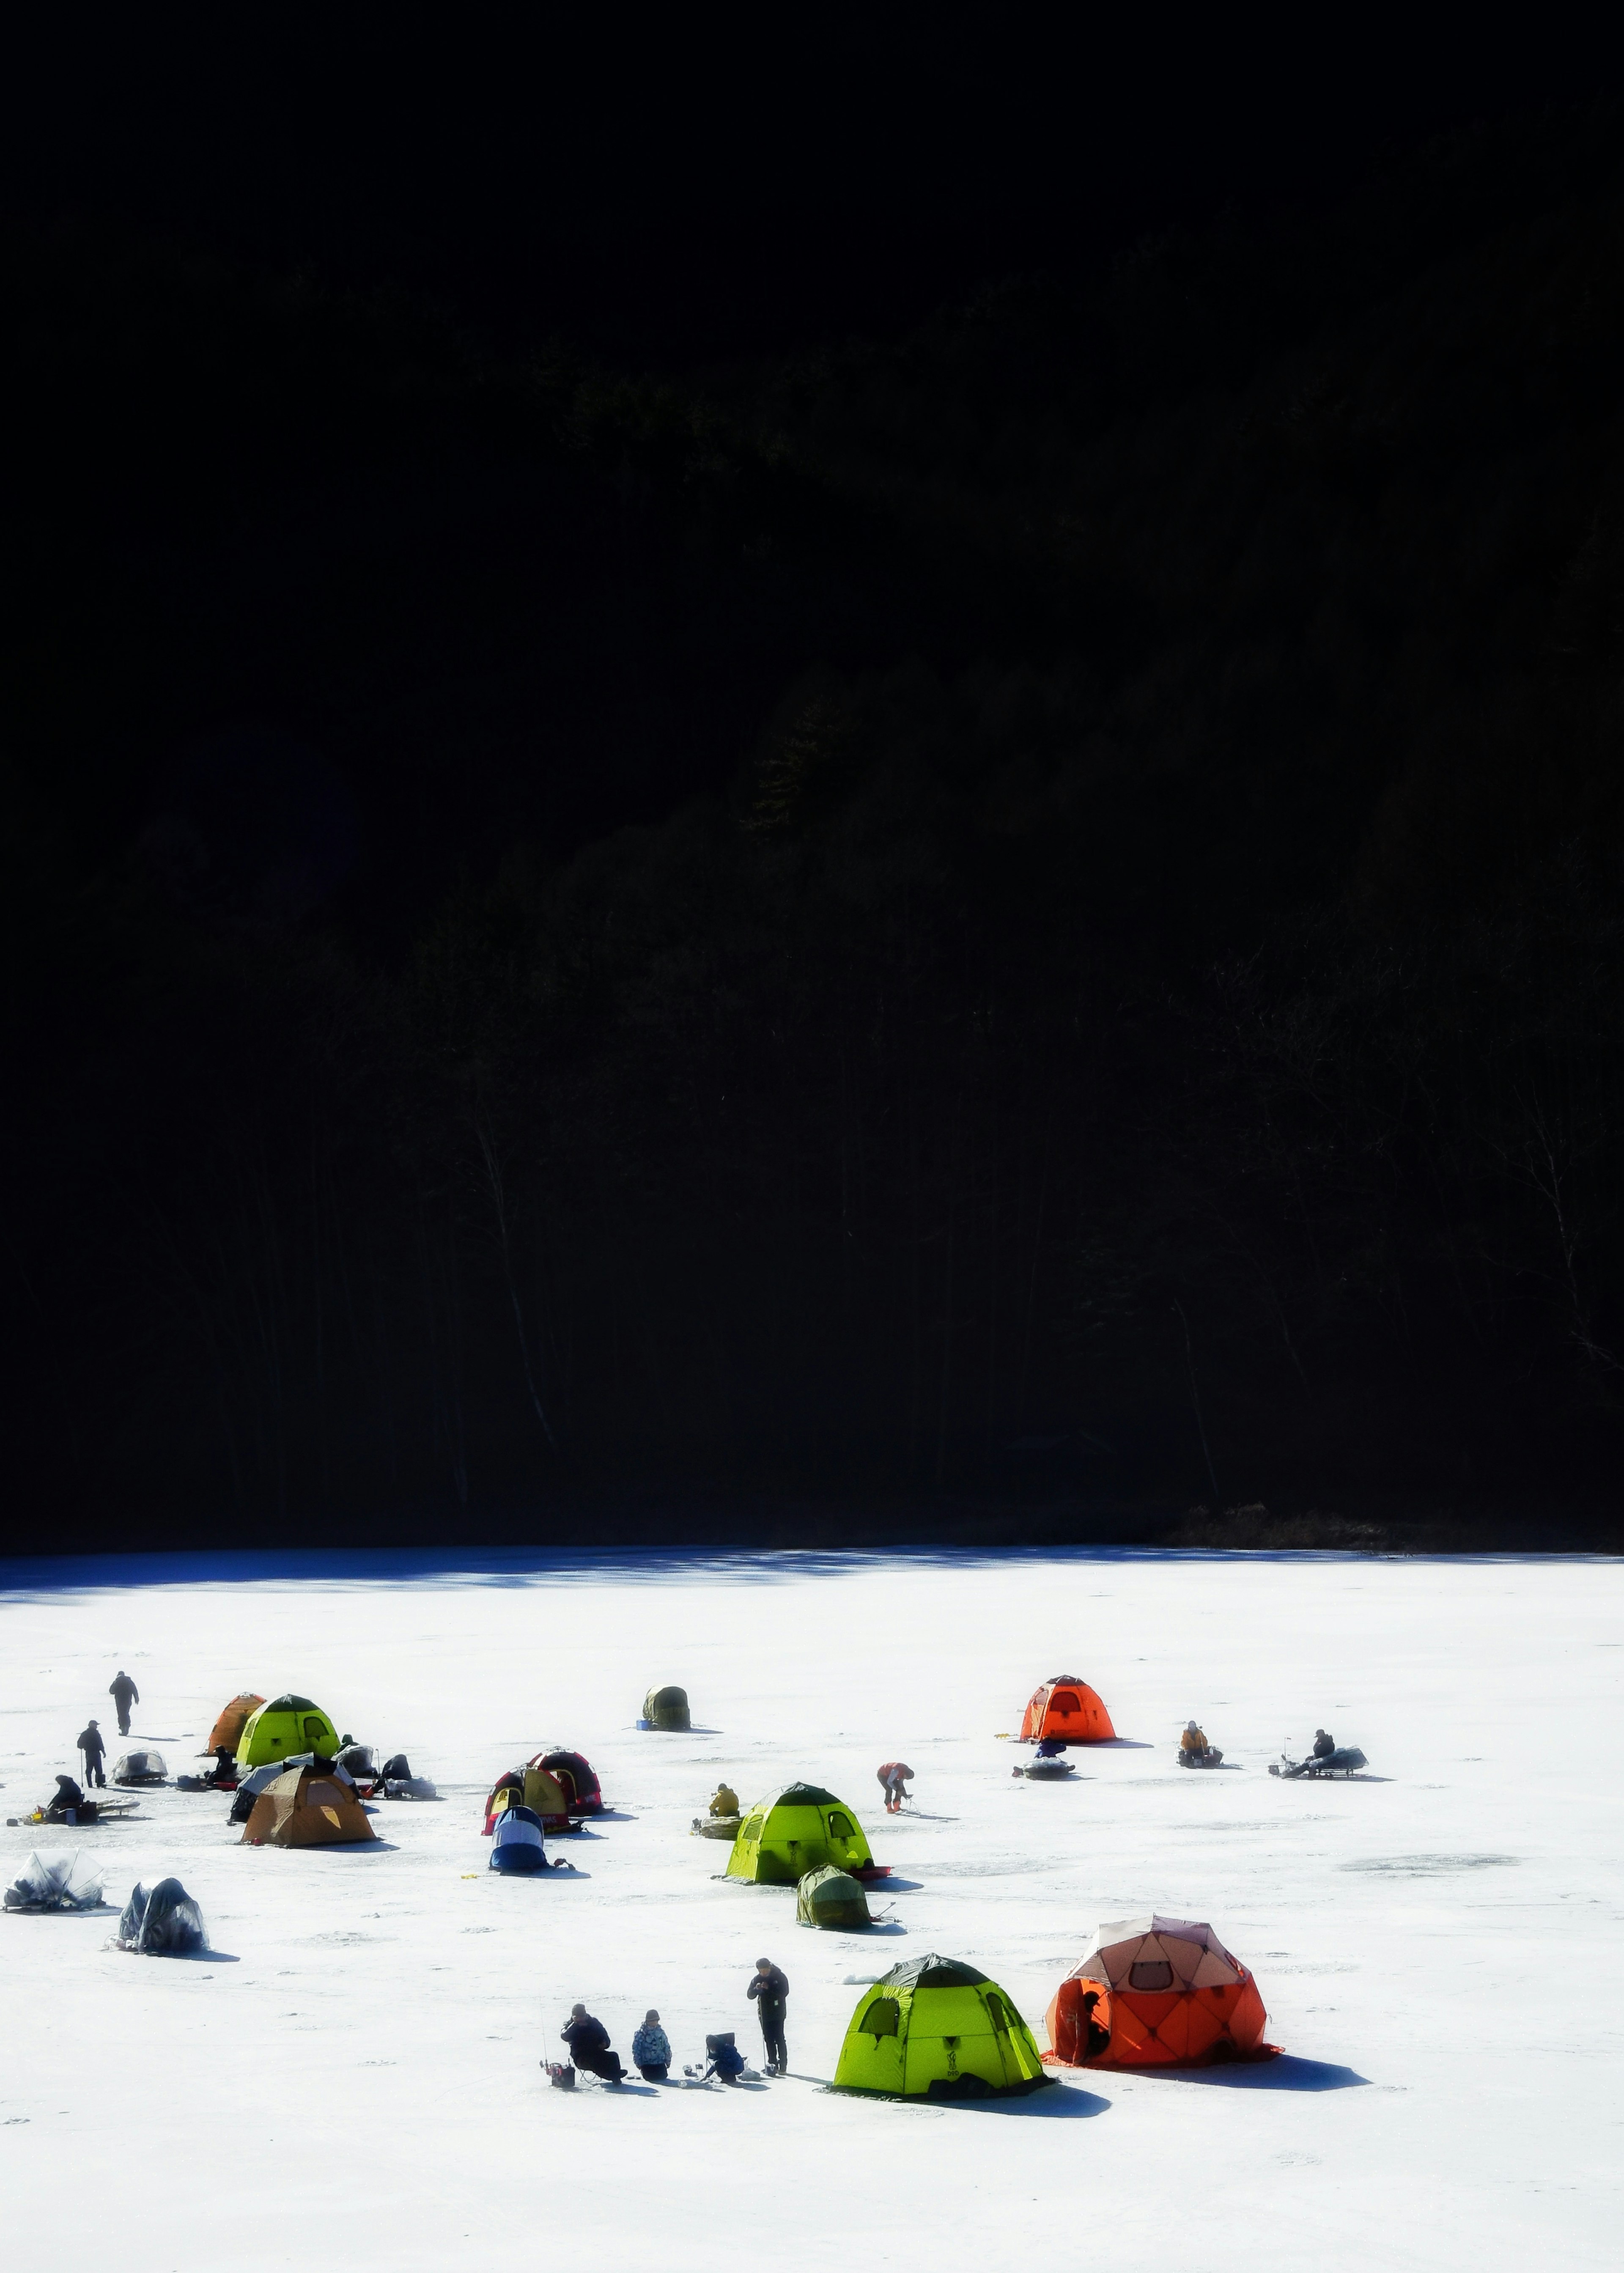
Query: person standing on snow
94 1751
770 1991
894 1778
124 1693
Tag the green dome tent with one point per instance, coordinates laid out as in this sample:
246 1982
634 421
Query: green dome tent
933 2029
285 1726
798 1830
666 1708
833 1899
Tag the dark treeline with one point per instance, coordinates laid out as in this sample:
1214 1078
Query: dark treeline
1033 907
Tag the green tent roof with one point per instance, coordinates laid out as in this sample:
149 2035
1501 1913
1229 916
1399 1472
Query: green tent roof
932 1973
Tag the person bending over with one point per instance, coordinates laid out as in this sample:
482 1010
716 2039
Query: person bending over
894 1778
724 2059
589 2043
770 1990
651 2048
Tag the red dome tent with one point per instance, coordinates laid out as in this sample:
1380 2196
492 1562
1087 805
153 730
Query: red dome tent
580 1786
1068 1708
1165 1993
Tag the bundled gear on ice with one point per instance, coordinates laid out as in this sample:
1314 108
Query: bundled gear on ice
124 1693
140 1767
651 2050
1046 1766
795 1831
1194 1749
287 1726
56 1882
1340 1760
1157 1993
832 1899
770 1991
92 1751
222 1777
934 2029
668 1709
396 1780
589 2047
161 1922
560 2074
517 1845
1068 1708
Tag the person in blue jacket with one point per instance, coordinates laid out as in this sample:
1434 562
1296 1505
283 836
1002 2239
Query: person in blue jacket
726 2061
651 2048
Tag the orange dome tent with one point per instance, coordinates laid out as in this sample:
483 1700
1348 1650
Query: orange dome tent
1168 1994
1068 1708
227 1731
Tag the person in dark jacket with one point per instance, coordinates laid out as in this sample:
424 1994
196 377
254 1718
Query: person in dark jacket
124 1693
770 1990
94 1751
589 2043
1323 1745
1097 2040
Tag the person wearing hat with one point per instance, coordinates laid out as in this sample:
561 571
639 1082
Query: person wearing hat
768 1990
725 1801
1193 1740
651 2048
95 1752
1323 1745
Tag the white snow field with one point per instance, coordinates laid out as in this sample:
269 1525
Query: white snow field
354 2078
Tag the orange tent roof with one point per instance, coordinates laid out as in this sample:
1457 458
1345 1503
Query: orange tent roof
1066 1708
1167 1993
229 1729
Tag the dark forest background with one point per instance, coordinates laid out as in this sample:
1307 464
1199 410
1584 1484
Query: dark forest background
1023 911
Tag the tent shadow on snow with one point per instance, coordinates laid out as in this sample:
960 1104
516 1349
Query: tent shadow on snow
1285 2073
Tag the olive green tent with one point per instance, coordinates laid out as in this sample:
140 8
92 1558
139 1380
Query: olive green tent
831 1898
666 1708
286 1725
933 2029
796 1831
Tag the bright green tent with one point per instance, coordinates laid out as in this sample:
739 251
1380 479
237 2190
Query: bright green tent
666 1708
831 1898
801 1827
933 2029
286 1725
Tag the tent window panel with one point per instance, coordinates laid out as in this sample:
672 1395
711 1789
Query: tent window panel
313 1734
1151 1973
840 1827
1065 1702
882 2018
999 2014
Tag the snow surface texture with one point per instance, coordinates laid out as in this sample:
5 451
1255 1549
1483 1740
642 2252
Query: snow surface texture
353 2079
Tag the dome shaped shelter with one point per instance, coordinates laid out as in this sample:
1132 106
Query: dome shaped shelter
1068 1708
935 2028
1157 1993
583 1794
286 1725
798 1830
517 1846
226 1732
666 1708
306 1807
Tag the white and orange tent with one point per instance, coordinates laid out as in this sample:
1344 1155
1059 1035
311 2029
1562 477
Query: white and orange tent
1157 1993
1068 1708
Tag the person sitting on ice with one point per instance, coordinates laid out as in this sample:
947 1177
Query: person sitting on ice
1097 2040
68 1799
1051 1747
651 2048
1323 1745
893 1781
725 1802
724 2058
1193 1739
589 2043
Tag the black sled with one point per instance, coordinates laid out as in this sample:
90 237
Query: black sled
1346 1760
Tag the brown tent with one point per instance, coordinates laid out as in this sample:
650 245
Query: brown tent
306 1807
228 1731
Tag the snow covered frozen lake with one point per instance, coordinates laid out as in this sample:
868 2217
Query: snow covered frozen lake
354 2080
